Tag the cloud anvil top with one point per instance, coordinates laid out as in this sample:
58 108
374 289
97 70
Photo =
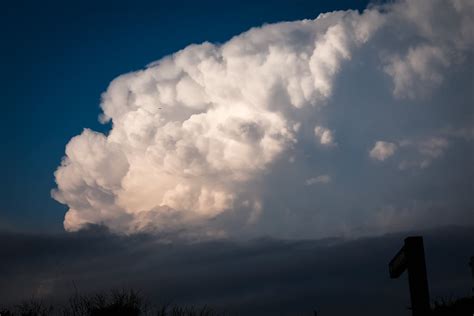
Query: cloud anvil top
287 129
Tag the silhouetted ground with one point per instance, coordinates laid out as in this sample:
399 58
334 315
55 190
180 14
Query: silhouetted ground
116 303
132 303
459 307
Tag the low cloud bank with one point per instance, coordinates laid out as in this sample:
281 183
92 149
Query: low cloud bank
257 277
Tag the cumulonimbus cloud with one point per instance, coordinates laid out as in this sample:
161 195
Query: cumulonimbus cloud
194 133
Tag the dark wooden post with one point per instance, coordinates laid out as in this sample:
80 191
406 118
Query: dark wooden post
412 258
417 278
471 264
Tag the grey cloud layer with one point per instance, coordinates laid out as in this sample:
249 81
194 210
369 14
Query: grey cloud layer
259 277
210 140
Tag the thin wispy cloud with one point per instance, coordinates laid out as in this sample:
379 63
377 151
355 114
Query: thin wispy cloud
322 179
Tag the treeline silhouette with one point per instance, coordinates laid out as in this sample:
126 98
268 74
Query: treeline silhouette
133 303
115 303
455 307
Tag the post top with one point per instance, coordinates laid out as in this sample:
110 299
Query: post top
413 238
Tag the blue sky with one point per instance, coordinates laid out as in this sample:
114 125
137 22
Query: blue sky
59 57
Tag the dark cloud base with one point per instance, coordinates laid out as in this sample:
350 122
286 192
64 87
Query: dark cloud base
257 277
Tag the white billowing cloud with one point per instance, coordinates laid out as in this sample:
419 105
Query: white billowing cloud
191 130
382 150
197 135
417 71
319 179
324 136
440 34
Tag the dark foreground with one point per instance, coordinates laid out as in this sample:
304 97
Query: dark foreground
335 277
132 303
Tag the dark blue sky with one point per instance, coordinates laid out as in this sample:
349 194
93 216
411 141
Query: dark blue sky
59 57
